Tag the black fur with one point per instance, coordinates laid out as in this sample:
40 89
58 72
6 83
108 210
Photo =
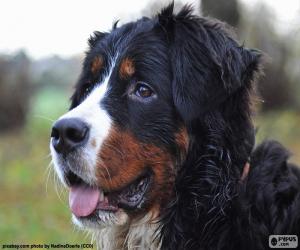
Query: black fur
212 209
204 79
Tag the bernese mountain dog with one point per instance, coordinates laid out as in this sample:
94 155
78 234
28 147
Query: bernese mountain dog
157 149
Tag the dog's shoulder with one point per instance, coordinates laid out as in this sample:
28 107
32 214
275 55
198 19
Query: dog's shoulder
273 188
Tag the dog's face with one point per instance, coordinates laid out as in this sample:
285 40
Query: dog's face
118 146
126 135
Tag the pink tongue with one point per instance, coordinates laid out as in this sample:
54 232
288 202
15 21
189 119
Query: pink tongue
83 200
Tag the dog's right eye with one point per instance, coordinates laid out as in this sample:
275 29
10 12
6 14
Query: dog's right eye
143 91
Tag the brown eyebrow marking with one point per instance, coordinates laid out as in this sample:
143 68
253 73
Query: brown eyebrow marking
97 64
127 68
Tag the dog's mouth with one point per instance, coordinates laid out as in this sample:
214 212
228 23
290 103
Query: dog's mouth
86 201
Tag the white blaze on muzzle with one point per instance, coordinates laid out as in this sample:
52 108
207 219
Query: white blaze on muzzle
99 123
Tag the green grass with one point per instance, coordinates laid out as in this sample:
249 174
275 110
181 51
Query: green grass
30 209
283 127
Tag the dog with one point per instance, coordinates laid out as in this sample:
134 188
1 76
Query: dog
157 149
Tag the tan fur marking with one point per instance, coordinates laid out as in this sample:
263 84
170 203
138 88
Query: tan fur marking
97 64
182 140
245 171
127 68
123 158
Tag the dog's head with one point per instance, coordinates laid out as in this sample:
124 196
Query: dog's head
128 130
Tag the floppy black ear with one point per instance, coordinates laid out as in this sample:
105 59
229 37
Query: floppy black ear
207 63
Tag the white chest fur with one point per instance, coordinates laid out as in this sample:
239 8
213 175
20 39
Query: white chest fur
141 234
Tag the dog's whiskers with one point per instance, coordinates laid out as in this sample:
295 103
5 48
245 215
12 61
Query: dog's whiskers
44 117
48 172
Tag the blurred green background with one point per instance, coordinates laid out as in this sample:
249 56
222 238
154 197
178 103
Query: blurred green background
34 93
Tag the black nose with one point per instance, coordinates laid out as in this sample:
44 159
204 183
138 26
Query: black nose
68 134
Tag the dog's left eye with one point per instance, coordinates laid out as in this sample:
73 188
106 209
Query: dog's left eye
143 91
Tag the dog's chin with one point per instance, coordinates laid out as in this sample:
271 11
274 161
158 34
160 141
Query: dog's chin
101 219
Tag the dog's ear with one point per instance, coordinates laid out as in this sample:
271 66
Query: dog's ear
208 65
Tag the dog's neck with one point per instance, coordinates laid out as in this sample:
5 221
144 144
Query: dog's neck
136 234
209 180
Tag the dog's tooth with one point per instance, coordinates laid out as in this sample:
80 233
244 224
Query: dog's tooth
101 197
141 183
105 199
